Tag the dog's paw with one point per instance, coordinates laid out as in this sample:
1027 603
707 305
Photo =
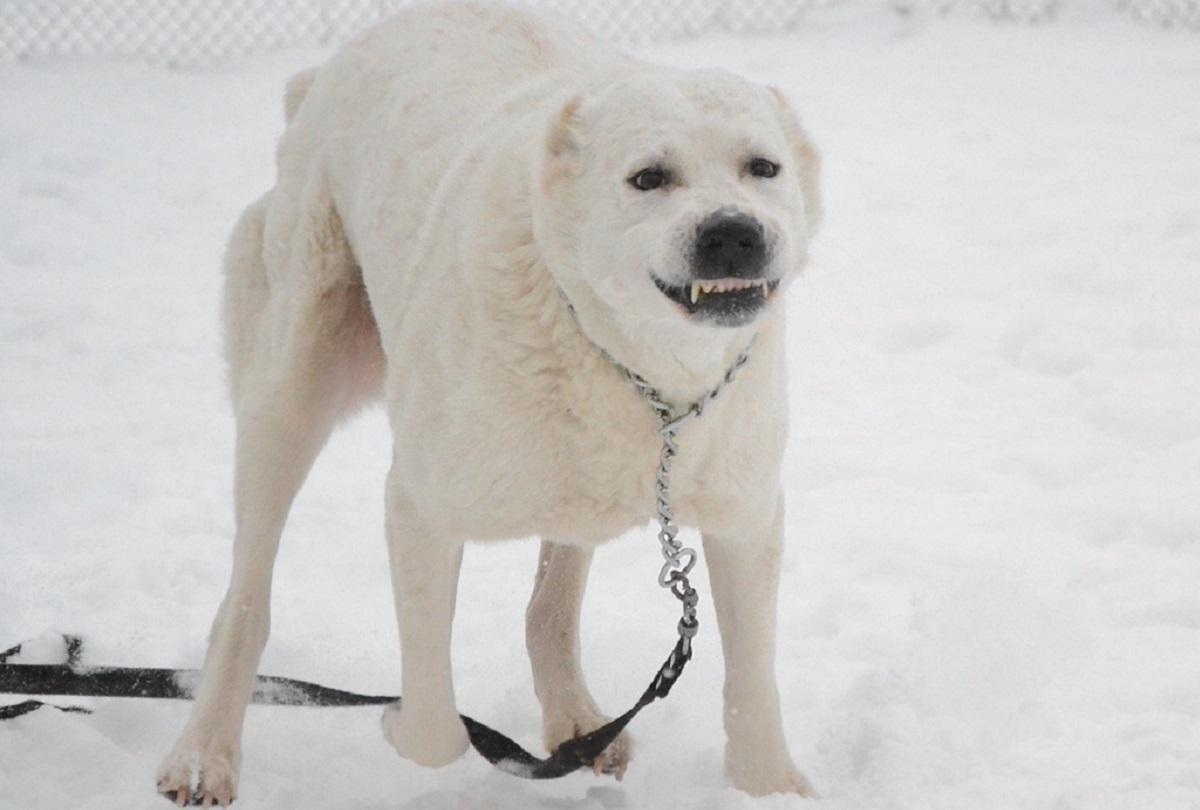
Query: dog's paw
613 761
200 775
426 740
764 775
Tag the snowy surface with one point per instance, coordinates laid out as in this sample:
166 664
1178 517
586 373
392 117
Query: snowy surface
991 591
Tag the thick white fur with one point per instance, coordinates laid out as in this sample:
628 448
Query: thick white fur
439 181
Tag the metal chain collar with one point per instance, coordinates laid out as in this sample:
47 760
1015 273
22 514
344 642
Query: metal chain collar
679 560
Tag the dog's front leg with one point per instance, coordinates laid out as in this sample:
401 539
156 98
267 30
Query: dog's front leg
552 639
744 571
425 728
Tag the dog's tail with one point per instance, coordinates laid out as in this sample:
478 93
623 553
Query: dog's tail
297 89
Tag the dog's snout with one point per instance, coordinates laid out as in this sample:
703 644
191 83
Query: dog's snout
729 245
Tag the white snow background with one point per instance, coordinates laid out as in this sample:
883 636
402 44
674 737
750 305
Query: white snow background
991 595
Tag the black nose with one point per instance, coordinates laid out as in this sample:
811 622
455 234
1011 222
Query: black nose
729 245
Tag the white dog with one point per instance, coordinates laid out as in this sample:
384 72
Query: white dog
446 184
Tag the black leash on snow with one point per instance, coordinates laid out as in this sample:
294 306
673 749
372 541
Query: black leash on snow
73 678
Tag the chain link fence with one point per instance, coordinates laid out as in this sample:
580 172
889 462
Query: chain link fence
196 32
1183 14
1167 13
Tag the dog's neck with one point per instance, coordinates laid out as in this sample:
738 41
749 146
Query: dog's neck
681 364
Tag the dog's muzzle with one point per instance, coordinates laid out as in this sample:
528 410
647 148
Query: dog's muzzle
728 262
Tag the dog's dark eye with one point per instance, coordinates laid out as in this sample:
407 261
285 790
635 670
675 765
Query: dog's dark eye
761 167
649 179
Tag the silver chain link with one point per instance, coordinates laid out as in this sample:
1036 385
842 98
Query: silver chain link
679 560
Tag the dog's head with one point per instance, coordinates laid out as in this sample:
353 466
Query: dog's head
683 197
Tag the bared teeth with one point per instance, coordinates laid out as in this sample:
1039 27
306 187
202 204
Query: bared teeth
697 289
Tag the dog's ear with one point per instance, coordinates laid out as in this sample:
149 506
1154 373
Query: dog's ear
563 137
808 162
562 143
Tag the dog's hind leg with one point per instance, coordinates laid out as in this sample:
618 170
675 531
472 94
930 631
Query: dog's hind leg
303 351
552 639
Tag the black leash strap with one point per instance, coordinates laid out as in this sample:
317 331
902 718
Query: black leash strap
72 678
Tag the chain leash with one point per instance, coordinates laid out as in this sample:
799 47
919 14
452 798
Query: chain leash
679 560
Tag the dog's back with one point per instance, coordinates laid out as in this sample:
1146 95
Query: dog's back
433 80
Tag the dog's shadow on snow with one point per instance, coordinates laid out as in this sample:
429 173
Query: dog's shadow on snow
495 797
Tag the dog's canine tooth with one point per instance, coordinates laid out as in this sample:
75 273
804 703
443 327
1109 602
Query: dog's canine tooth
695 291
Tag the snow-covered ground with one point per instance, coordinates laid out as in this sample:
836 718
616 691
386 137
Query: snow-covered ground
992 590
